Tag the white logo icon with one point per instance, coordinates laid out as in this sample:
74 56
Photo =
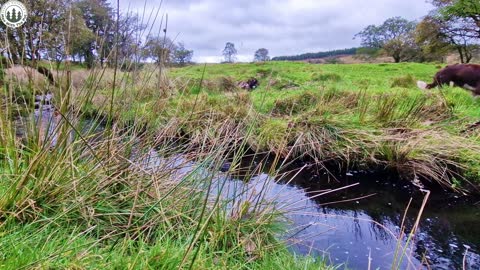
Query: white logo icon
13 14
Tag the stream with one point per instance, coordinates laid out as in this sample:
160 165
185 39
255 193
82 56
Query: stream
359 226
360 230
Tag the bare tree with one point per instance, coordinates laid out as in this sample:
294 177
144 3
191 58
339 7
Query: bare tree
229 53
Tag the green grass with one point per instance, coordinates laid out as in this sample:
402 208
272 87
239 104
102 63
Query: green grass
57 247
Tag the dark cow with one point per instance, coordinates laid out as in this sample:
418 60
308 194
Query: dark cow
250 84
463 75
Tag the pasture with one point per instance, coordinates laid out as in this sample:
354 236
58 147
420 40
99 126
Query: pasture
362 116
96 194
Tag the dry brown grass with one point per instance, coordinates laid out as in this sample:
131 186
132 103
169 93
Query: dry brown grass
24 75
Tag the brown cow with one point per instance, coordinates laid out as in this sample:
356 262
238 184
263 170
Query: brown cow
463 75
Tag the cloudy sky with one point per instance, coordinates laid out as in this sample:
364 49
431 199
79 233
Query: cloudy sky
284 27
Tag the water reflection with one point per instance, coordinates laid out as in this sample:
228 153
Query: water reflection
364 231
369 227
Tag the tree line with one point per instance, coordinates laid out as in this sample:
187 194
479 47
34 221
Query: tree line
92 31
453 26
306 56
261 55
89 32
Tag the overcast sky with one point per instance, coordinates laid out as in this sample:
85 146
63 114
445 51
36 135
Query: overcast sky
284 27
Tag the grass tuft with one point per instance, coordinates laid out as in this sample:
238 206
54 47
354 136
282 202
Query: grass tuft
407 81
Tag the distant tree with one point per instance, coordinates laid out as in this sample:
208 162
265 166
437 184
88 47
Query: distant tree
99 18
182 56
434 43
159 49
55 50
128 43
261 55
229 53
44 25
83 39
395 36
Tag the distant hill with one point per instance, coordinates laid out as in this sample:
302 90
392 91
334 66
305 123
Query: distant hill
306 56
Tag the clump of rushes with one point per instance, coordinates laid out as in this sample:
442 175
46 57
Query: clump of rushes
295 104
407 81
226 84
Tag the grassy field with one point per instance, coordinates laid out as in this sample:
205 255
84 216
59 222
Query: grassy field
367 116
88 202
355 116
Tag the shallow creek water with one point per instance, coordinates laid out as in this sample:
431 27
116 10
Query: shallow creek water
361 228
360 225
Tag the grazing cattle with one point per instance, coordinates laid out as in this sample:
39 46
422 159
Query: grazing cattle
250 84
463 75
